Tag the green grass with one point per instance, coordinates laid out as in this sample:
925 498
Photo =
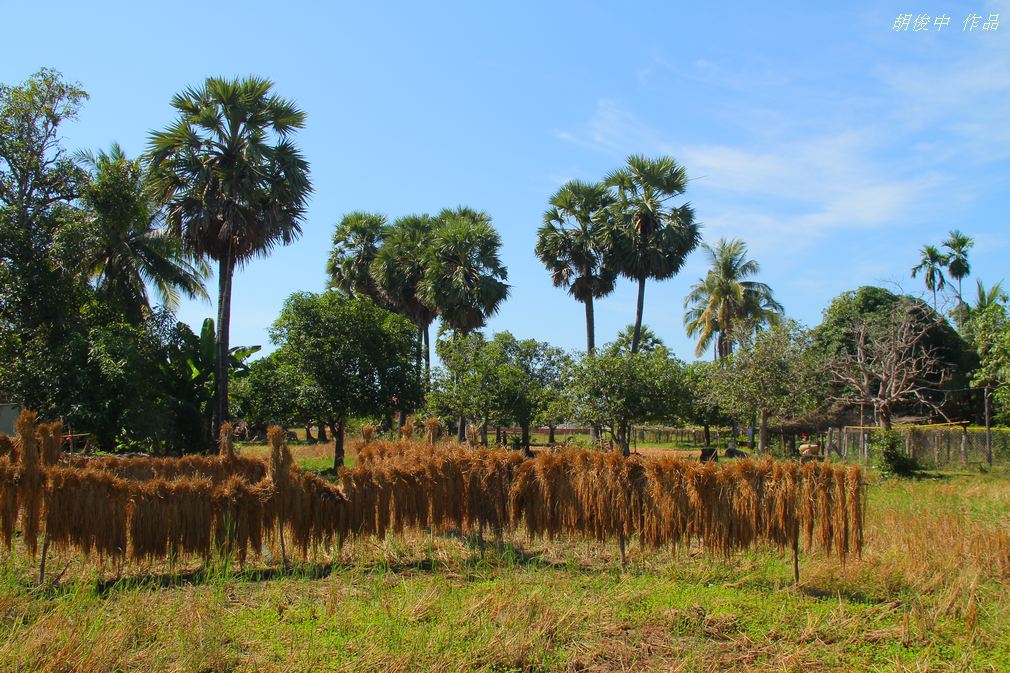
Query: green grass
932 592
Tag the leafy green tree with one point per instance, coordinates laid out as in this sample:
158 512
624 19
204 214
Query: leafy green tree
931 265
988 331
773 377
234 184
523 374
700 406
614 391
724 305
573 244
43 335
650 238
958 267
129 249
359 356
356 242
276 393
464 386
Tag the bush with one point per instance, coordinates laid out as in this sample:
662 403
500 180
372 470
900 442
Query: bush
892 461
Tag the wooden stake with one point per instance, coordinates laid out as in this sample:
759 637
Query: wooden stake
796 556
42 561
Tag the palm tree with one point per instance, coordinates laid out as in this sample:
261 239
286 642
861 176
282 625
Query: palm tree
464 279
724 303
651 239
931 265
572 245
130 250
397 271
356 242
985 298
957 259
234 184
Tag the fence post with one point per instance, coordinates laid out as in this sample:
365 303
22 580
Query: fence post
988 429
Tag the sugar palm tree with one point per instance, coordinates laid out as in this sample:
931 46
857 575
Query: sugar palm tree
356 242
464 279
651 238
234 184
397 271
572 244
931 265
958 266
130 250
725 302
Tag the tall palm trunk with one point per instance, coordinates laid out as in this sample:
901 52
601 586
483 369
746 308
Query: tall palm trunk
594 432
638 315
427 359
226 268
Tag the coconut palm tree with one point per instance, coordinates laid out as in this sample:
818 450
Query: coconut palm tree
650 237
725 303
397 271
957 259
234 184
464 279
356 242
572 244
931 265
985 298
130 250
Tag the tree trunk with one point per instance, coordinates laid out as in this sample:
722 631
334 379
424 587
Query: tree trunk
427 359
550 435
638 315
461 430
483 433
526 439
590 327
707 432
884 418
226 268
338 443
309 439
763 431
623 440
321 436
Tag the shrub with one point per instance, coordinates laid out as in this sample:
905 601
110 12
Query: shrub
892 461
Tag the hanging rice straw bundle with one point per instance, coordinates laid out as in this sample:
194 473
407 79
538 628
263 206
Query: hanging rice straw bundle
433 429
6 446
226 442
31 484
87 510
10 476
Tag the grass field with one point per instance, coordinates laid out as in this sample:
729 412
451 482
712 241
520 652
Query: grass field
931 593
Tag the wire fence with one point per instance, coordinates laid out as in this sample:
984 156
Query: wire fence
931 446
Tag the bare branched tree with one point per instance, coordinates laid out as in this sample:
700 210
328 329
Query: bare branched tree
892 363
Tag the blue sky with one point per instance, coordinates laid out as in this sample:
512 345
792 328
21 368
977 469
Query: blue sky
832 144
